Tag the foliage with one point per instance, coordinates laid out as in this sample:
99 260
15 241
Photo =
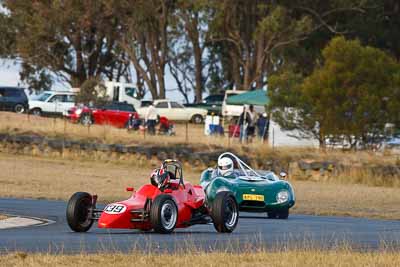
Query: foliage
207 46
92 91
353 94
37 79
7 36
74 39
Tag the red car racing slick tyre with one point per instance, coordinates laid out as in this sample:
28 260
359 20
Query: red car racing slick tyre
78 212
225 212
163 214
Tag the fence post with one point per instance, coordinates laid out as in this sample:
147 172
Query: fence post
65 131
186 133
65 127
273 138
54 124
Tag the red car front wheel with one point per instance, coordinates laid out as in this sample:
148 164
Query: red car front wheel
163 214
78 212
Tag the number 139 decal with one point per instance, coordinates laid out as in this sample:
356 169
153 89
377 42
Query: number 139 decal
115 209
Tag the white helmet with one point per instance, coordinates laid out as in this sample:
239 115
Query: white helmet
225 166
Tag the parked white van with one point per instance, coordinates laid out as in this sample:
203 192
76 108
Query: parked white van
235 110
232 110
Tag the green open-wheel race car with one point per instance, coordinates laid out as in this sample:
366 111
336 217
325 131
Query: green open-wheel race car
254 191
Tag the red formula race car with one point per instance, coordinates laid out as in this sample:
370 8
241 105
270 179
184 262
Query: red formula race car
163 205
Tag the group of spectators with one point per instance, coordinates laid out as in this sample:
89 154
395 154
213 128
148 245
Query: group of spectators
249 121
151 119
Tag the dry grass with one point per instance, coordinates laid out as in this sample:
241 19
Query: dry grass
340 257
51 127
2 217
319 198
11 122
367 177
32 177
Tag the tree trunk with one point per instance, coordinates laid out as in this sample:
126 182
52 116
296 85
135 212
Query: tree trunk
260 64
198 71
236 70
161 82
80 74
191 21
77 80
247 70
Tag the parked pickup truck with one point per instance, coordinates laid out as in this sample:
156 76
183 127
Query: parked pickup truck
212 103
175 111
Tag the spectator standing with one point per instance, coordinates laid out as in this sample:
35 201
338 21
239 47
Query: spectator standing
244 121
252 124
151 118
262 126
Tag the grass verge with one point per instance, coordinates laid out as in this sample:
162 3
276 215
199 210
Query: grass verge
34 177
57 127
340 257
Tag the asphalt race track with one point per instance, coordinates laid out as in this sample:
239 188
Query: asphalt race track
253 230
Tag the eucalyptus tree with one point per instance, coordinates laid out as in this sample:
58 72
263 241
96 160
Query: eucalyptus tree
75 40
257 35
354 92
146 40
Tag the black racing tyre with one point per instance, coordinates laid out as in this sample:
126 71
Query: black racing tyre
271 215
78 212
283 214
86 119
19 108
225 212
197 119
163 214
37 112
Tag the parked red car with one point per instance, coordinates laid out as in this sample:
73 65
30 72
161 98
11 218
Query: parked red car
116 114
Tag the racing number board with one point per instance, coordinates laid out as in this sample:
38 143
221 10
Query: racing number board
253 197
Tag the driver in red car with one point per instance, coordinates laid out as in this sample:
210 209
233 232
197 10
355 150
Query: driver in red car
160 178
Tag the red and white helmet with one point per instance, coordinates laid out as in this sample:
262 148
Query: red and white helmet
160 178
